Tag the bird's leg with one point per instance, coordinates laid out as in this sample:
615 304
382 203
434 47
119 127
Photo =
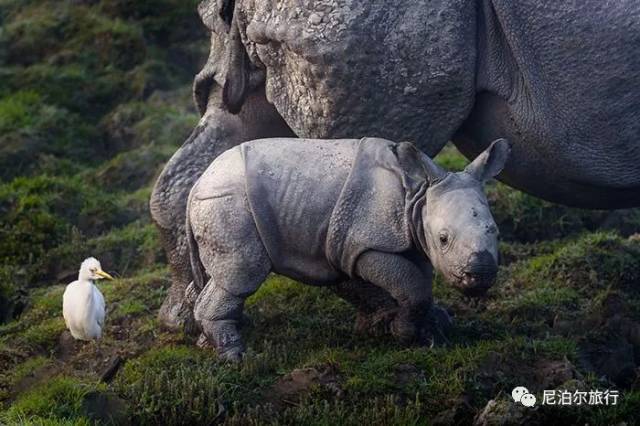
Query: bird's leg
97 348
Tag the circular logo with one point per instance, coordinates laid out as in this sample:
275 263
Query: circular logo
528 400
518 392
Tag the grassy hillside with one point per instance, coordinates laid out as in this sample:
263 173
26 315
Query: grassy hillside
94 97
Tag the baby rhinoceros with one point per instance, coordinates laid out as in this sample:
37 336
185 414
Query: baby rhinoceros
326 212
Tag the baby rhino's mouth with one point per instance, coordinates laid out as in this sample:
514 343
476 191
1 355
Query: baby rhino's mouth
476 280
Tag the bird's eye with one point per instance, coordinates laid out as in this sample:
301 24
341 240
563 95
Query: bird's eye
444 238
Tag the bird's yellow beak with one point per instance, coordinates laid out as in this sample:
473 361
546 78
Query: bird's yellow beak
103 274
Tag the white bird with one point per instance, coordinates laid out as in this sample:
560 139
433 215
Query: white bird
82 303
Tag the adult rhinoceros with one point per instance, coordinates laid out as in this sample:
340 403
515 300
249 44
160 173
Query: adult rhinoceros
560 80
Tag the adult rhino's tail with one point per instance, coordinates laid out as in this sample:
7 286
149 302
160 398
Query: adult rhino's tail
197 268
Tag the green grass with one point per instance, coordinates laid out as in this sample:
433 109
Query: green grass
16 112
295 326
177 385
451 159
59 399
11 378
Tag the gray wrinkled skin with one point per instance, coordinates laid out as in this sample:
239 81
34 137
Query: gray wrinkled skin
370 211
559 80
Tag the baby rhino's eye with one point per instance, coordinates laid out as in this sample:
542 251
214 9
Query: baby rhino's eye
444 238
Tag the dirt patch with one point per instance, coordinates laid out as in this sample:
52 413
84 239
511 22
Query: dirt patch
106 408
34 378
549 373
121 341
496 370
299 383
460 413
503 411
406 374
67 347
608 340
99 360
610 356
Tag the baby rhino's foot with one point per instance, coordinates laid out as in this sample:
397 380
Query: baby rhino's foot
232 355
429 330
405 330
416 324
224 337
438 325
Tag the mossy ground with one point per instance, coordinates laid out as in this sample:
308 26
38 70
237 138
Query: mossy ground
94 97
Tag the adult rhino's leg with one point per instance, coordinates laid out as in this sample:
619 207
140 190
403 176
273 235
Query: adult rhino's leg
217 131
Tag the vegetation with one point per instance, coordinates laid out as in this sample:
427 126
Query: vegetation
94 98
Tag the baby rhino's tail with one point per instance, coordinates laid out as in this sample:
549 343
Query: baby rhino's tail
197 268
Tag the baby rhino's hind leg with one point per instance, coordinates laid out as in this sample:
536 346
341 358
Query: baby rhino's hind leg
236 262
218 311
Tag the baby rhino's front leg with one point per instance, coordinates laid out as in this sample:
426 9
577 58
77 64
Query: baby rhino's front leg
407 283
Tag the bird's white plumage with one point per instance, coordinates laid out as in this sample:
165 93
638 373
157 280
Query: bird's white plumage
83 305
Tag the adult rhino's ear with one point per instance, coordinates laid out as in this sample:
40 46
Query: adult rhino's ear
236 85
491 161
418 165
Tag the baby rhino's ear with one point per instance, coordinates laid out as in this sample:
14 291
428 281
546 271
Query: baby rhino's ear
491 161
417 165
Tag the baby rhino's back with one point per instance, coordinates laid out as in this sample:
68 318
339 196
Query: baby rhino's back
287 164
289 188
292 187
299 166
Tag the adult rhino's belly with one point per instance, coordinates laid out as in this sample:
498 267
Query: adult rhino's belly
591 167
561 83
352 69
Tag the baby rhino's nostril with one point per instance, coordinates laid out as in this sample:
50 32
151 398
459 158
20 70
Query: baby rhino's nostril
481 263
479 274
